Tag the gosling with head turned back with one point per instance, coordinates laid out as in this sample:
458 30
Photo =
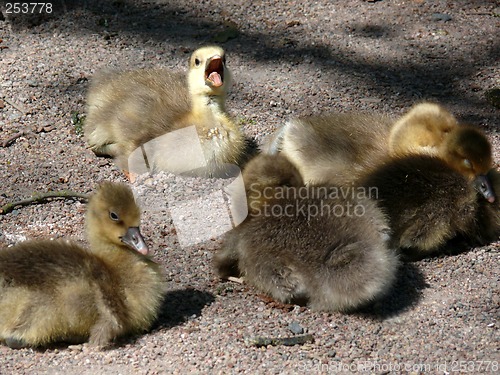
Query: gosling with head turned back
332 260
57 291
152 106
344 147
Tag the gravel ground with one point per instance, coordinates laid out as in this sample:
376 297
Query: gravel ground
289 58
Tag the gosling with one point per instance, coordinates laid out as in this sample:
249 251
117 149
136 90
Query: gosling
156 120
333 260
57 291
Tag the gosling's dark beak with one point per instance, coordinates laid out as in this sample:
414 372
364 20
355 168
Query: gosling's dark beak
483 185
214 71
133 238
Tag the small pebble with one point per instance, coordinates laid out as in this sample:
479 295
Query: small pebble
296 328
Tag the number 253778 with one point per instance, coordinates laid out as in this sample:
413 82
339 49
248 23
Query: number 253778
28 8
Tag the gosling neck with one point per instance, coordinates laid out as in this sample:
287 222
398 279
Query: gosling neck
205 103
102 246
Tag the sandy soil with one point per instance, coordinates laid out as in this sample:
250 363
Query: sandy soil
289 58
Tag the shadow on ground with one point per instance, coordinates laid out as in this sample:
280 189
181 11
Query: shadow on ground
405 294
181 304
165 20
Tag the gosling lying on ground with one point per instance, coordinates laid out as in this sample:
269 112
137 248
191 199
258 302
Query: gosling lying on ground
333 260
58 291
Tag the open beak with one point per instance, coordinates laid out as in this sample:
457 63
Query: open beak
214 71
133 238
483 185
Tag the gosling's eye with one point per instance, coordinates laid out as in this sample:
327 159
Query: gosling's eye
197 62
467 164
113 216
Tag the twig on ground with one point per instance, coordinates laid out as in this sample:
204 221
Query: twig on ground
9 141
287 341
41 198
